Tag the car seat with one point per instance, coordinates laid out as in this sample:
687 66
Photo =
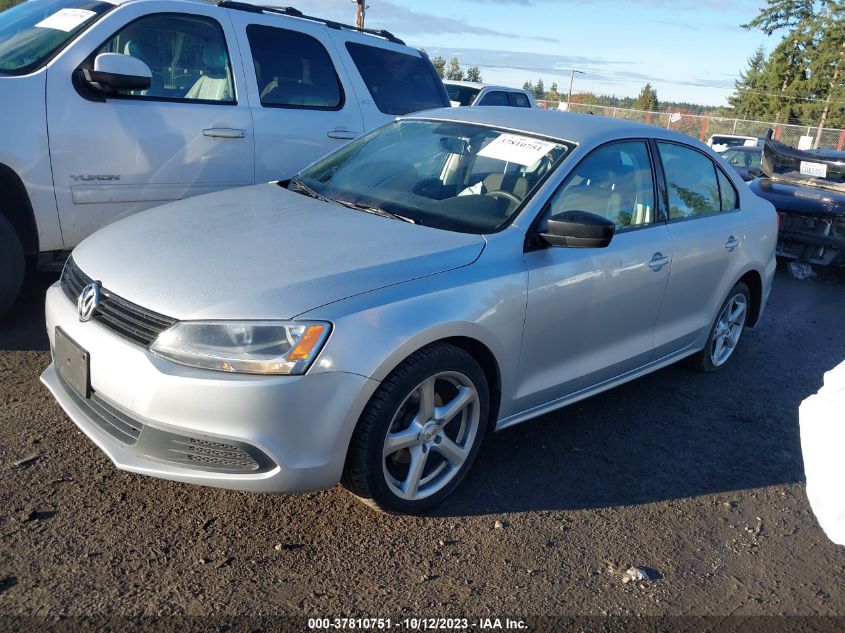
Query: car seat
215 84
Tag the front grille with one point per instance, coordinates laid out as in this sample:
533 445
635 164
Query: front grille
124 318
109 418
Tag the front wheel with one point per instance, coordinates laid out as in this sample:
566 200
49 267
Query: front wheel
726 331
420 432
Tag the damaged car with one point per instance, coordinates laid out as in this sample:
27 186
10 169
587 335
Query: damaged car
807 188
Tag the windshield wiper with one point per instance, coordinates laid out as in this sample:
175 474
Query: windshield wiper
297 182
360 206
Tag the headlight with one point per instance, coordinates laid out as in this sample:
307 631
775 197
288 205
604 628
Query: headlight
249 347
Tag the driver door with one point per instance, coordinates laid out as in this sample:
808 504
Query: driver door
591 312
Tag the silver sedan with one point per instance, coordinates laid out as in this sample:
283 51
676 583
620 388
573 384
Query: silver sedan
370 321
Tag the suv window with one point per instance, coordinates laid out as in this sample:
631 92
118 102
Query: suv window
519 100
186 54
398 82
615 182
494 98
691 179
293 69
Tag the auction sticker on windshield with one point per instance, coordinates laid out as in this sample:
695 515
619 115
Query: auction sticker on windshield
813 169
513 148
65 19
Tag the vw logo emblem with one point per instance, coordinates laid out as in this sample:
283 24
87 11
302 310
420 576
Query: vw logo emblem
88 301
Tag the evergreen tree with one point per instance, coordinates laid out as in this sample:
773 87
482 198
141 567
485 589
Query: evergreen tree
473 74
750 100
440 66
647 99
453 70
539 89
528 86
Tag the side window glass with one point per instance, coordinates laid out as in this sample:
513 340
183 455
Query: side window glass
615 182
399 83
519 100
727 192
293 70
691 179
187 56
496 98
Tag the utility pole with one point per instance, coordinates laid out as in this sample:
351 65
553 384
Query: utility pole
362 10
572 72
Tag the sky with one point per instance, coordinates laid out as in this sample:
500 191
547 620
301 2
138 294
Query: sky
689 50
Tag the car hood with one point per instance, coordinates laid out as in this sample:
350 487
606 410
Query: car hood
262 252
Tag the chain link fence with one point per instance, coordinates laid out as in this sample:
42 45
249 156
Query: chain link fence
703 127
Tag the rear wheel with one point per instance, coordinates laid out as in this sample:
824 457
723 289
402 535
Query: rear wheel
726 331
420 433
12 265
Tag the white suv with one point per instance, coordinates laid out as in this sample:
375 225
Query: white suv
111 108
471 93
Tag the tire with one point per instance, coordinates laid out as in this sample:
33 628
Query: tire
441 450
12 265
722 342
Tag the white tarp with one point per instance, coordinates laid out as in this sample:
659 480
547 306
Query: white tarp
822 421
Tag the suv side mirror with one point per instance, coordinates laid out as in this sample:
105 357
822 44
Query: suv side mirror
113 72
579 229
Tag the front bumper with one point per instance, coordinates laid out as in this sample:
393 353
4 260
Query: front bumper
295 428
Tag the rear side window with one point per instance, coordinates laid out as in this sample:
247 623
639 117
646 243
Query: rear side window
187 56
691 179
727 192
519 100
494 98
293 70
398 82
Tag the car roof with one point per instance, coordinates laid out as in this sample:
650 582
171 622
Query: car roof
566 126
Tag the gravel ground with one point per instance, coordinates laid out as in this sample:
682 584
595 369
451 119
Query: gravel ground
696 478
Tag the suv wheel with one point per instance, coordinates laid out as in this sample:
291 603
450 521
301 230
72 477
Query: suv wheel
726 330
12 265
420 432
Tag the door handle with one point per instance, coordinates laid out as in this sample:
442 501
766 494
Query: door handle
731 244
223 132
340 133
658 261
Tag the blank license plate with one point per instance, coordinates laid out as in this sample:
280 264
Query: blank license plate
73 363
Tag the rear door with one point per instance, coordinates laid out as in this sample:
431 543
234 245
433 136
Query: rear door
302 102
189 133
494 98
708 236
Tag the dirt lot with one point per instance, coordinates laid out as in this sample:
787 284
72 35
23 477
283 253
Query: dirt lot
697 477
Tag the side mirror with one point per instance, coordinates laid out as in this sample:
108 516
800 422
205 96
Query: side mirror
579 229
113 72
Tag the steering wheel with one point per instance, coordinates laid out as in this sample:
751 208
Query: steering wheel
507 195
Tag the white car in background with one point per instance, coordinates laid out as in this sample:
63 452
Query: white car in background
720 142
472 93
112 107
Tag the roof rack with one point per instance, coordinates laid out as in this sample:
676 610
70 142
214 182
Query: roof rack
296 13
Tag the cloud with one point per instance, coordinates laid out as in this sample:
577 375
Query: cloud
409 22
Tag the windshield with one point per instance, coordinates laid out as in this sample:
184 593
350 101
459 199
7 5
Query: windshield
464 95
743 159
455 176
32 32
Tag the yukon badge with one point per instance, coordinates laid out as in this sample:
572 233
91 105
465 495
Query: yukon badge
90 177
88 301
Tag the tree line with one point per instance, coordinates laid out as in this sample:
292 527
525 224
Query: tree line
452 70
801 80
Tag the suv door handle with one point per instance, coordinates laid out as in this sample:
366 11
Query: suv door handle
658 261
223 132
341 133
731 244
